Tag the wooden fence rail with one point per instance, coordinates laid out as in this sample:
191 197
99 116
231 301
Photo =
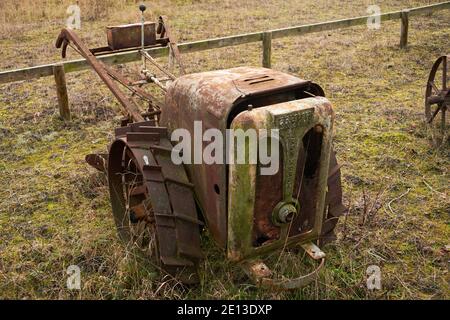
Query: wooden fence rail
265 36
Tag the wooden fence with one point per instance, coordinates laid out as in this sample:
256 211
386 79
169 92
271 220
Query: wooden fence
59 69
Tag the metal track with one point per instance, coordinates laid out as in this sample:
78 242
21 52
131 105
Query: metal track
167 188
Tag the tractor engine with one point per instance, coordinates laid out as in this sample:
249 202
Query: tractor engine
246 212
288 197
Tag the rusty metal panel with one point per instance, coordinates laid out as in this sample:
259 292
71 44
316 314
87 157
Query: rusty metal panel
300 122
129 35
217 91
268 194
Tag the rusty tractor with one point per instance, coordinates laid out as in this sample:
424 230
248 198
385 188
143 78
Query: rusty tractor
437 99
162 207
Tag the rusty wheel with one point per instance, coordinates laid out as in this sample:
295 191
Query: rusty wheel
437 99
152 201
137 225
333 202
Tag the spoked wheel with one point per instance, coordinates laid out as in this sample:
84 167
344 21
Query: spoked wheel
153 201
437 100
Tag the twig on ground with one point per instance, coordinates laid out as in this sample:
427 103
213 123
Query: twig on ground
397 198
441 194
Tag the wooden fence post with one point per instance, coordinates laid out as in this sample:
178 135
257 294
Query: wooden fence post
404 29
61 91
267 49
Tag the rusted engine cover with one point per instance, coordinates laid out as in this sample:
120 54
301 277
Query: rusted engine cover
129 35
305 133
216 98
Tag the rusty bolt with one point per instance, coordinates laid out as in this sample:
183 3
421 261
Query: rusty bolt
286 213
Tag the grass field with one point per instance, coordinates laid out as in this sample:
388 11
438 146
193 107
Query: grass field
54 209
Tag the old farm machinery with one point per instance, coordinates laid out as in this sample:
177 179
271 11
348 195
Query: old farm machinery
437 100
162 207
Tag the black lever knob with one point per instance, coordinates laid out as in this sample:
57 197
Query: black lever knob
142 7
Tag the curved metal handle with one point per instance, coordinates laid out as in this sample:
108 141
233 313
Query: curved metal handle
63 42
262 275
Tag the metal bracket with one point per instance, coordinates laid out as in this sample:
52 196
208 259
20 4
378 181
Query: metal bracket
313 251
